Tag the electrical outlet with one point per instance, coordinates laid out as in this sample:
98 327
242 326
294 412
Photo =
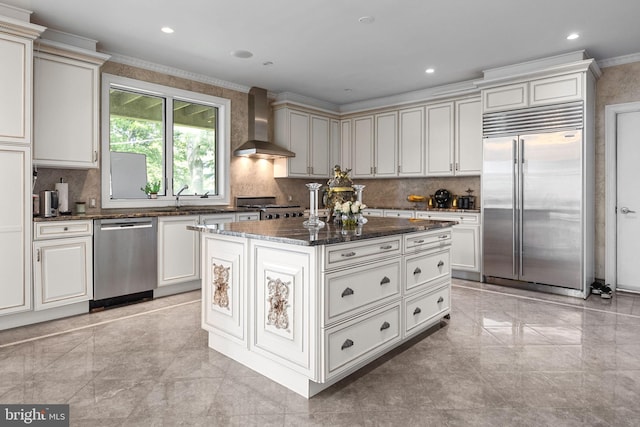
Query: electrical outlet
92 202
290 198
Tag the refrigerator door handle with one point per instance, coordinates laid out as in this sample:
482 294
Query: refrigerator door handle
521 210
514 209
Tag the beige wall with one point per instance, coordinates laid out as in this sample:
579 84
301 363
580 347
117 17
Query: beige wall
619 84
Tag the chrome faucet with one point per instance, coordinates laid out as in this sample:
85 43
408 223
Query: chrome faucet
178 195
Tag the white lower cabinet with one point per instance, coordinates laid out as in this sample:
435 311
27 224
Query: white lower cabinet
398 213
62 263
465 248
178 250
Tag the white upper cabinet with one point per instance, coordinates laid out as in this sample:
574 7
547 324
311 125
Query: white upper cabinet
551 90
335 149
362 159
386 145
440 131
66 106
16 72
468 138
309 136
454 138
346 145
411 142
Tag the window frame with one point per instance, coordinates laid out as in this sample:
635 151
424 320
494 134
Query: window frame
223 146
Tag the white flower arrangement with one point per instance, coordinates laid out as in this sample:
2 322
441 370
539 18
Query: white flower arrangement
349 207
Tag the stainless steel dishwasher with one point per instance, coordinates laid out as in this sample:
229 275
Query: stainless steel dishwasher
124 260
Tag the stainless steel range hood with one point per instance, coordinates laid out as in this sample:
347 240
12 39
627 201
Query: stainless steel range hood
258 144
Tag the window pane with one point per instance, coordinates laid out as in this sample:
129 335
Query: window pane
135 138
194 147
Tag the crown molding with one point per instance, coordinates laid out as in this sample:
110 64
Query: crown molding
296 99
152 66
619 60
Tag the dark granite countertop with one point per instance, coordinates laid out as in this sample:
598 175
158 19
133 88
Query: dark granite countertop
145 212
293 232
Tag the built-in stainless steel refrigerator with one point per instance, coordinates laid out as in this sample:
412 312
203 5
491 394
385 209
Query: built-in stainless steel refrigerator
533 197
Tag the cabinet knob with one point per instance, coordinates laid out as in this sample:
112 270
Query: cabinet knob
385 280
417 311
440 264
384 326
348 343
348 254
348 291
66 229
440 300
417 271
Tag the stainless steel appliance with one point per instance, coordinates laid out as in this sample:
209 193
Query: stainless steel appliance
533 197
268 207
49 203
124 260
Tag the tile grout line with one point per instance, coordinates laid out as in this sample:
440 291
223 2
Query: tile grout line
615 313
104 322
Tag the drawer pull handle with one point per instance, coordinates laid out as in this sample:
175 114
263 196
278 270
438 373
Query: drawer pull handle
347 292
440 264
349 254
417 271
440 300
417 311
385 280
444 236
386 247
418 241
348 343
384 326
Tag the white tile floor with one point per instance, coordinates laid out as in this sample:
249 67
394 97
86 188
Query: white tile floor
506 358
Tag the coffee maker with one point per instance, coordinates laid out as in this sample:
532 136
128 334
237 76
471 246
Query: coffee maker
49 203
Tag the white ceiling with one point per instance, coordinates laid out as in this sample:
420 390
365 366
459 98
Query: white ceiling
319 49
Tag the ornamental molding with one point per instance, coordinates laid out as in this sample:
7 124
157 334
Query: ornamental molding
278 300
220 285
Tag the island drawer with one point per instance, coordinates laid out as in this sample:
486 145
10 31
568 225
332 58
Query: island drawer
360 288
416 242
58 229
421 309
360 339
346 254
426 268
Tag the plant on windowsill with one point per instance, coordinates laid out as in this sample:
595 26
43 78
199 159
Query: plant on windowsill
151 189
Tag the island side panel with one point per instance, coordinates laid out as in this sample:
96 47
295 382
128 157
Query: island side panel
283 301
224 278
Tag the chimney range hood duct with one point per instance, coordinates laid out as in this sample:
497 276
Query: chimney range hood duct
257 145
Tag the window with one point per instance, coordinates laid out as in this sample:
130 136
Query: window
153 134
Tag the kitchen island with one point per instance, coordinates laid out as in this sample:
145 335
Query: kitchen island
309 307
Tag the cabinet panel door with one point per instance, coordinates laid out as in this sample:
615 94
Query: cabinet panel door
362 159
15 89
465 247
556 89
178 250
319 146
505 97
335 148
15 216
386 145
411 144
63 271
440 139
299 143
283 291
468 137
345 145
65 112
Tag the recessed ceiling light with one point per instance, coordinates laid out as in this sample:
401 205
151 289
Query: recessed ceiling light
430 70
167 30
242 54
573 36
366 19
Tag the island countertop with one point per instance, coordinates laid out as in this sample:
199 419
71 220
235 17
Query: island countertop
292 231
